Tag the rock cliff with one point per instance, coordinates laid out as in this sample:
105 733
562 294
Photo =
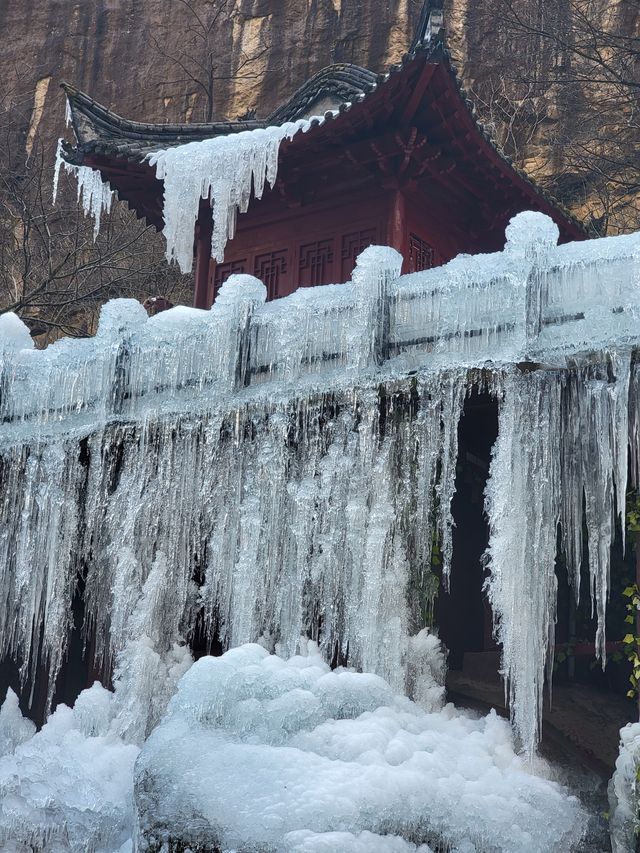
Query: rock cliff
147 59
170 60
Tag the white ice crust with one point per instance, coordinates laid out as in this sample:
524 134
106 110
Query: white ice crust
69 786
624 799
224 171
291 756
14 334
256 752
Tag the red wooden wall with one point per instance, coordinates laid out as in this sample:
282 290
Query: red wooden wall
318 243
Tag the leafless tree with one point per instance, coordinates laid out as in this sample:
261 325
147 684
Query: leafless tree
52 272
203 57
561 81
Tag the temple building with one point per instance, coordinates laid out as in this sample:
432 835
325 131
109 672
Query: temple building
399 160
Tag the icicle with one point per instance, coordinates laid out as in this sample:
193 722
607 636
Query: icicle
522 504
561 439
223 170
56 169
96 194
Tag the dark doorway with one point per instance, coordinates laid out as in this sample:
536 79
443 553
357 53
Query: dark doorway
463 614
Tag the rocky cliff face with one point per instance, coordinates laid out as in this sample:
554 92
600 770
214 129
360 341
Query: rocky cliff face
147 59
558 83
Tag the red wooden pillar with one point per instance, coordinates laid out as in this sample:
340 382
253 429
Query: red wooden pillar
204 229
397 225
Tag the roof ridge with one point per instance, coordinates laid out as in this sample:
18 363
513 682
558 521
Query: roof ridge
97 116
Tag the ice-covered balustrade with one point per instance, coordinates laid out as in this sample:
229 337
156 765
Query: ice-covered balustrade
277 470
533 302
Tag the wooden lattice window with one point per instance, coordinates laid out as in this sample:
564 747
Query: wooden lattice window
352 245
420 254
270 268
315 262
223 271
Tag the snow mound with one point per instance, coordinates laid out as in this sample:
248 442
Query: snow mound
69 786
259 753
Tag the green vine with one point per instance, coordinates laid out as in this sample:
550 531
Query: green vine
633 512
631 641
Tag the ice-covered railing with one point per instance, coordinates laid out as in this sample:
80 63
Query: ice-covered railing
535 301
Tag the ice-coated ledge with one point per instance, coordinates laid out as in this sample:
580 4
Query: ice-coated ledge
533 302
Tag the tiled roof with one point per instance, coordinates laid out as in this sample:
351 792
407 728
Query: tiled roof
98 130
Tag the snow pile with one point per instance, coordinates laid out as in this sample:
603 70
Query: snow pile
624 801
260 753
222 170
68 787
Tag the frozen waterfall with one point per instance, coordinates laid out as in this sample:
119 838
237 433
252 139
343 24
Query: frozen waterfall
279 472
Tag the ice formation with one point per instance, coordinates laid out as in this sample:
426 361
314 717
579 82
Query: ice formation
277 520
69 787
14 334
287 755
303 753
276 471
222 170
624 802
562 435
96 195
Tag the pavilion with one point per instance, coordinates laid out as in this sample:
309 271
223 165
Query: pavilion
399 159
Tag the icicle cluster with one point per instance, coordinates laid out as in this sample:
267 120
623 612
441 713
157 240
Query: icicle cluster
305 517
560 459
277 470
95 194
222 170
139 462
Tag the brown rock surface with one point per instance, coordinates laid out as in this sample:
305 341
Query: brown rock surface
118 51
